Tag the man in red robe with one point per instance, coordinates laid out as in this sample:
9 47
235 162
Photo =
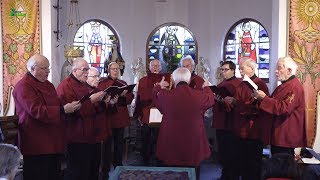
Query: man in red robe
182 137
82 126
41 129
251 124
102 122
119 116
223 119
287 105
196 81
144 104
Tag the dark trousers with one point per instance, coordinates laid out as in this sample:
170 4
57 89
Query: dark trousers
112 157
283 150
149 141
83 161
42 167
250 159
227 145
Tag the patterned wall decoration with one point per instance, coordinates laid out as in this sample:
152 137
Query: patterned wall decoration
304 48
21 39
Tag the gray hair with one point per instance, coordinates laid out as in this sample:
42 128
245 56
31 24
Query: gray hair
77 62
188 57
153 61
249 62
10 159
289 63
181 74
33 60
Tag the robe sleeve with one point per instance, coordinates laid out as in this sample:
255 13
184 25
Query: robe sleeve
207 100
33 103
284 106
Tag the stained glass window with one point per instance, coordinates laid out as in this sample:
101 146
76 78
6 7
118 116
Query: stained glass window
95 37
169 43
248 38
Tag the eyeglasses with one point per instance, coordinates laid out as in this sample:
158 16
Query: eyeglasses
114 69
43 68
94 76
224 69
84 69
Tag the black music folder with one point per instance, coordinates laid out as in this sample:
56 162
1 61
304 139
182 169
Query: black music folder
115 90
87 96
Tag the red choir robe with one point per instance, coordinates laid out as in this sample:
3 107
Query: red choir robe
82 126
144 95
196 81
251 122
102 122
223 117
287 105
182 139
41 127
119 116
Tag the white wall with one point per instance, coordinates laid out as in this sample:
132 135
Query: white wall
134 20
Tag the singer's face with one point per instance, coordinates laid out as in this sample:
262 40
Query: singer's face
114 71
226 72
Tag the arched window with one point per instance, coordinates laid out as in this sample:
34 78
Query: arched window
95 37
248 38
169 43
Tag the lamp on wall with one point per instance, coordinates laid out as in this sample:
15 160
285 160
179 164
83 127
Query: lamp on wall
73 23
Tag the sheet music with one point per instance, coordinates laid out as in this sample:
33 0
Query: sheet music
254 85
155 116
315 154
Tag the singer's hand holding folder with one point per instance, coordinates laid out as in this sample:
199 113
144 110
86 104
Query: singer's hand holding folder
250 83
87 96
115 90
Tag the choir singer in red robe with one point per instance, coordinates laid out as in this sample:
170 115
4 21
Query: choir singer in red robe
41 129
182 139
287 105
195 81
83 125
142 110
252 126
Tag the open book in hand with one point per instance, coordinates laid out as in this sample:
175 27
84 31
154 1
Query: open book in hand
155 116
87 96
220 93
315 159
115 90
250 83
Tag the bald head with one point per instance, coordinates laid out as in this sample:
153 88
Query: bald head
38 66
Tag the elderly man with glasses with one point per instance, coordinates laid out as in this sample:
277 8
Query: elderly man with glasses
41 127
82 129
119 117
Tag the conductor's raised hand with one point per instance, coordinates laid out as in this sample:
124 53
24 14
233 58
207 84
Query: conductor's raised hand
164 84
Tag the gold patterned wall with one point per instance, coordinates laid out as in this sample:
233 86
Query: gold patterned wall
304 48
21 39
